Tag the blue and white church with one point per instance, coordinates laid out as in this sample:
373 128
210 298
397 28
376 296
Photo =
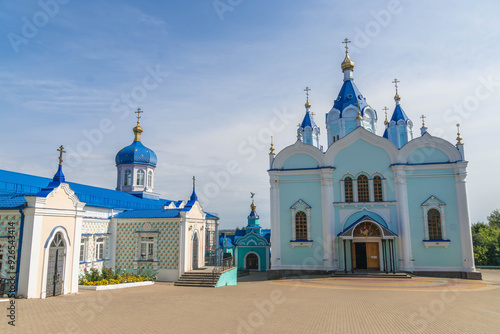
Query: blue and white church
395 202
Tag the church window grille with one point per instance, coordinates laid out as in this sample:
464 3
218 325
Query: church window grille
300 226
434 221
150 179
147 248
377 188
140 177
348 189
363 193
99 249
127 181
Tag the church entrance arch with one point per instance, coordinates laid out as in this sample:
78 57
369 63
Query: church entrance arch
252 261
55 272
195 251
367 245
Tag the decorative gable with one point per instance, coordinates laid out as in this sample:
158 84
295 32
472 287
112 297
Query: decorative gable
252 239
433 202
300 205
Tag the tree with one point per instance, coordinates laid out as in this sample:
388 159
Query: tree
486 241
494 218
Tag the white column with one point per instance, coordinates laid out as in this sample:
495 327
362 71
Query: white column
275 222
464 221
328 219
403 217
371 194
77 238
355 190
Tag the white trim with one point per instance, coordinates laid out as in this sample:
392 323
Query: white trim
444 243
434 203
258 260
275 220
300 205
301 244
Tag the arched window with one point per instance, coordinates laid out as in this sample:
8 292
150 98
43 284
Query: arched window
363 194
127 180
348 189
434 221
140 177
300 226
377 188
150 179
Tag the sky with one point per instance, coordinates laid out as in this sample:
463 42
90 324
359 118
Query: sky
217 78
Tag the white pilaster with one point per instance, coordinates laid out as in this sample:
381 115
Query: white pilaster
401 191
275 222
464 221
328 219
371 194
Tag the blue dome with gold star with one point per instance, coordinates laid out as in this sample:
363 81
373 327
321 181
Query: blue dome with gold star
136 153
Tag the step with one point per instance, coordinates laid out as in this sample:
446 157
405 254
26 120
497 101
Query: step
371 275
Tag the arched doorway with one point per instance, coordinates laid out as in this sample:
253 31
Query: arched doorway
252 261
55 272
195 251
365 248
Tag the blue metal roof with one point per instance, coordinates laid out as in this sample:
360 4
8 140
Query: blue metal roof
136 153
211 215
386 134
154 213
399 114
349 95
308 121
13 185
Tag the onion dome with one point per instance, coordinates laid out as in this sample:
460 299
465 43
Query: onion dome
347 64
136 153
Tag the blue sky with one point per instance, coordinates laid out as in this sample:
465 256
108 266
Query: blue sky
228 71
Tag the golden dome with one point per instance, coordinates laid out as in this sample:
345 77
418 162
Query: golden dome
397 97
138 130
347 64
359 116
308 104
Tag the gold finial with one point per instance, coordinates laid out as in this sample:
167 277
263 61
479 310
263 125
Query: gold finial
396 97
386 121
308 104
138 129
359 116
271 150
459 139
300 132
423 121
252 206
347 64
61 151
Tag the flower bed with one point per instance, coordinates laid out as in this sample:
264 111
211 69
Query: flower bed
107 276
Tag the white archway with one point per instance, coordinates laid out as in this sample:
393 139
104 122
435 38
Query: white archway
67 260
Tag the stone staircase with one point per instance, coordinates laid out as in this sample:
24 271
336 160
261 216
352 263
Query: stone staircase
205 279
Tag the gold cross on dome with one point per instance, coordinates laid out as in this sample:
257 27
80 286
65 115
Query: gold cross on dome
307 91
395 82
346 41
61 151
138 112
358 103
423 120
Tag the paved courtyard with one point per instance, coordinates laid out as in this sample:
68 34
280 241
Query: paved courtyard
314 305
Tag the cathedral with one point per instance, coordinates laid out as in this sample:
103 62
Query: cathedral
396 202
52 230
